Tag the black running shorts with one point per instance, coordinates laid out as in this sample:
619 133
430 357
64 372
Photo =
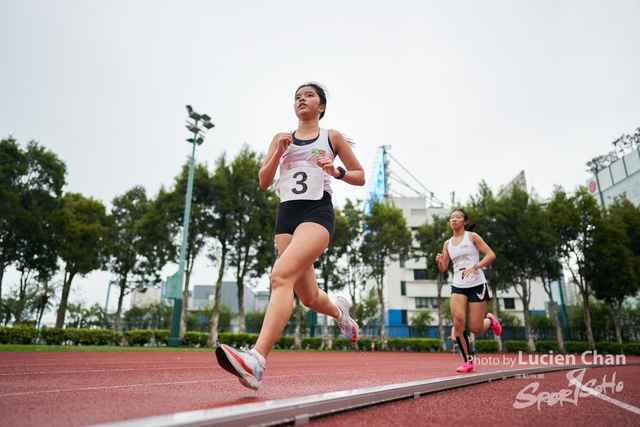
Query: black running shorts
294 212
478 293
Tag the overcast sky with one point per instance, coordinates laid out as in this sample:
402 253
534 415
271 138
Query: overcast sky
461 91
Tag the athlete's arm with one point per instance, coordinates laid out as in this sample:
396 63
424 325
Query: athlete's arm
342 149
489 255
443 258
269 167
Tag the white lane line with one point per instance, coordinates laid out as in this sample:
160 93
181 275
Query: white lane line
604 397
66 390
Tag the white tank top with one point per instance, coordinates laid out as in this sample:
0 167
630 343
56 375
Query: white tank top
464 255
300 178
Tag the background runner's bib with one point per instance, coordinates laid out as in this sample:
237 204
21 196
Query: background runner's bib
302 180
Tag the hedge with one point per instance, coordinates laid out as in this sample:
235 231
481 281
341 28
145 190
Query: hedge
609 348
547 346
576 347
237 340
162 336
139 337
414 344
21 334
632 348
513 346
486 346
312 343
195 339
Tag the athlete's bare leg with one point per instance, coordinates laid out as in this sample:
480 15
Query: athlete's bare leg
478 323
294 271
459 305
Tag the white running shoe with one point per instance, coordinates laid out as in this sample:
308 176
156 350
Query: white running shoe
243 364
348 326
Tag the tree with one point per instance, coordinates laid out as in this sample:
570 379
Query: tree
421 322
386 239
26 292
43 300
129 260
31 184
12 167
367 311
430 238
528 241
222 230
610 266
254 215
574 219
485 210
199 223
83 232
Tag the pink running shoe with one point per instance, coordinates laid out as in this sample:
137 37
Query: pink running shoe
495 325
466 367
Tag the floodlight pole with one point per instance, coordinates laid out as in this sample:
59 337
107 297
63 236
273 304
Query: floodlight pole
198 138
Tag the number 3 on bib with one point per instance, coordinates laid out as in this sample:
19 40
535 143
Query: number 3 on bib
301 181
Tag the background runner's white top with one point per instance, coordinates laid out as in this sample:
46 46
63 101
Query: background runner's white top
464 255
299 177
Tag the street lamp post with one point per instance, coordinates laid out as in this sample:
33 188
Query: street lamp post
175 282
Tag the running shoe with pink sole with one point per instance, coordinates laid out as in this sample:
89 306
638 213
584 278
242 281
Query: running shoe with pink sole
348 326
466 367
495 325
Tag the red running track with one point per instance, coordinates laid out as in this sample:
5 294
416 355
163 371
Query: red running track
86 388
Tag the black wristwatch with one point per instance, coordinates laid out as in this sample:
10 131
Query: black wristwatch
476 267
342 172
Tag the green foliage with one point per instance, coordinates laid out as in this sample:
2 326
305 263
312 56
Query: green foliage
52 336
367 311
364 344
421 322
341 344
547 346
162 336
311 343
17 334
195 339
576 347
609 348
285 343
139 337
541 325
514 346
414 344
601 321
632 348
509 320
486 346
237 340
254 320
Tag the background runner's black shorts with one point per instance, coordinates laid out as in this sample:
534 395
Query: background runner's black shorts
294 212
478 293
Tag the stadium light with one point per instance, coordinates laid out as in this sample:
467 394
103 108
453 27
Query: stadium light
175 282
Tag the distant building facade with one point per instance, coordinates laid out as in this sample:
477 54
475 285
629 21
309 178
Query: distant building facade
622 176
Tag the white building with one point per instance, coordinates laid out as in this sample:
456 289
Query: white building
622 176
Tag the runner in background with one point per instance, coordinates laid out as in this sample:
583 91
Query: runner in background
469 286
305 221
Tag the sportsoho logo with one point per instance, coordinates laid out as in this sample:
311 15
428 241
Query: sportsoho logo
577 386
528 397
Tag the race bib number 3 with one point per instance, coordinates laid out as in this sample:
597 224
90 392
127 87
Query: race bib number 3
301 181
